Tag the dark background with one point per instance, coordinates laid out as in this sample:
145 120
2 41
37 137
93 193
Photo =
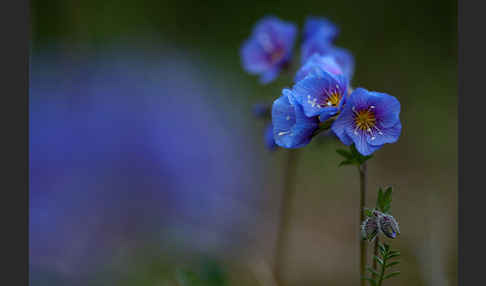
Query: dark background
405 48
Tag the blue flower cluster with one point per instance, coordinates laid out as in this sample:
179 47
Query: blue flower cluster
321 90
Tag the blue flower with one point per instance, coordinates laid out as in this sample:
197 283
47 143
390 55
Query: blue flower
269 48
319 34
322 25
291 128
369 120
321 94
344 59
268 137
315 64
318 45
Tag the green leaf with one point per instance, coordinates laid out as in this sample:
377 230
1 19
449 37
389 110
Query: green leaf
382 248
391 275
392 264
372 282
372 271
346 154
378 259
390 256
368 212
346 162
387 247
379 199
387 199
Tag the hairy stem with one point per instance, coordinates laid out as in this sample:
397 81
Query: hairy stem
285 212
375 253
382 272
363 243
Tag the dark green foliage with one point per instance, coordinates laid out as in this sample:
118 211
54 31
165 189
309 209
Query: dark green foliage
384 263
352 156
383 202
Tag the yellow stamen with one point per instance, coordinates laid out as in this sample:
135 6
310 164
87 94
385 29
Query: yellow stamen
365 120
333 99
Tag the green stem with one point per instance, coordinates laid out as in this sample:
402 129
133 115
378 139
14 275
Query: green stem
382 272
285 212
363 243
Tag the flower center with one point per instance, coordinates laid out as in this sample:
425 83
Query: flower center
365 119
276 55
333 99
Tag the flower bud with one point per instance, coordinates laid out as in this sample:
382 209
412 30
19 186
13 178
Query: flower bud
388 225
369 228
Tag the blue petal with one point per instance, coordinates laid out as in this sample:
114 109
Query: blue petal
387 108
315 45
344 59
291 128
358 98
269 75
327 113
343 122
315 64
360 140
314 24
253 57
388 135
312 91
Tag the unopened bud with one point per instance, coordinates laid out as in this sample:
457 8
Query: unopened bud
369 228
388 225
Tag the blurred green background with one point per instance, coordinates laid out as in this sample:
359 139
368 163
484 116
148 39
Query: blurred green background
405 48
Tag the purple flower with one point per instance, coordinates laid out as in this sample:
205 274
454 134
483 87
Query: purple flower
321 25
269 48
316 64
291 128
369 120
321 94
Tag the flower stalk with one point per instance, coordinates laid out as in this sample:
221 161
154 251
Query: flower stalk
363 244
285 212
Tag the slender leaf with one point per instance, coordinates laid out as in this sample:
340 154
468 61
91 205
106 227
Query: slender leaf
346 154
378 259
346 162
368 212
391 275
372 271
393 255
392 264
